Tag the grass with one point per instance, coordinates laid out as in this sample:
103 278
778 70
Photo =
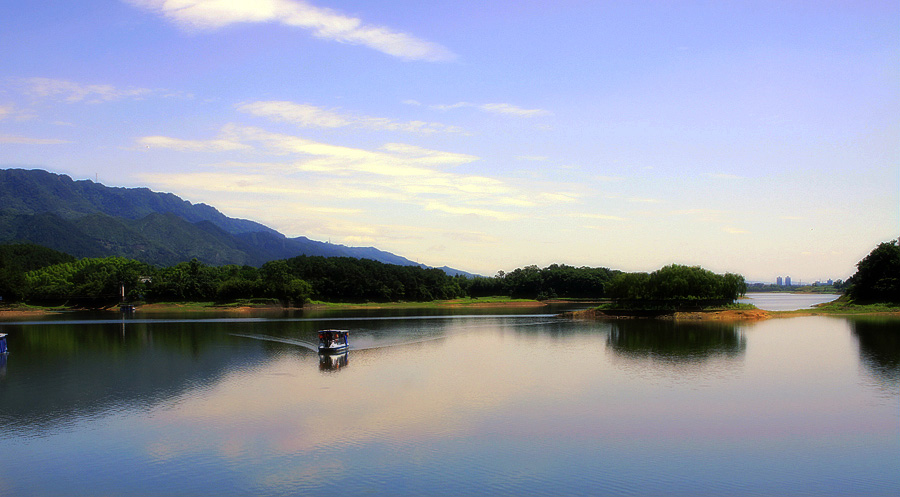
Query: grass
841 306
678 307
434 304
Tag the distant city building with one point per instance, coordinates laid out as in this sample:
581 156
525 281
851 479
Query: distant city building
830 282
779 281
787 281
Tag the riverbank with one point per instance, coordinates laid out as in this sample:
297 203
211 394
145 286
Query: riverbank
837 308
16 312
726 315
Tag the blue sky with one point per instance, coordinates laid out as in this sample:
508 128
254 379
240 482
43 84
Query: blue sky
754 137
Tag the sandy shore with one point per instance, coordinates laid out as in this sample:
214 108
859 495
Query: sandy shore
727 315
28 313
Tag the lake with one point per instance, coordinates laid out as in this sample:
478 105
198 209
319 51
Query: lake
773 301
452 403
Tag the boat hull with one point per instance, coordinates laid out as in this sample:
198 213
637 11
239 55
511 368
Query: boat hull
334 349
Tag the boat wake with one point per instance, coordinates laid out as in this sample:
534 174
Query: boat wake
268 338
366 343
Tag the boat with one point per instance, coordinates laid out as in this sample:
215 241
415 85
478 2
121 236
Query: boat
3 349
333 341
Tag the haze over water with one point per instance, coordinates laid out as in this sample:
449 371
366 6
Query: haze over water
452 405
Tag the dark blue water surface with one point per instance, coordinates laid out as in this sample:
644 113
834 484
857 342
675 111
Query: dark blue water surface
451 405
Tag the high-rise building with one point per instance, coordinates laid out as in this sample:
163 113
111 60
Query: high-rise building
787 281
779 281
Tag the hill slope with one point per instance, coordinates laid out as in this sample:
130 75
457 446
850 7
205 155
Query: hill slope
88 219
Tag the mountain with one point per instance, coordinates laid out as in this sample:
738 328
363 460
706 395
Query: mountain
88 219
36 191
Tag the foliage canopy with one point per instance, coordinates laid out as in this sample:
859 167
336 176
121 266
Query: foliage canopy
877 278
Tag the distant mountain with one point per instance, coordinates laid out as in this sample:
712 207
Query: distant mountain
88 219
36 191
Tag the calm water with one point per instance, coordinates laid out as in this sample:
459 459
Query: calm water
787 301
451 405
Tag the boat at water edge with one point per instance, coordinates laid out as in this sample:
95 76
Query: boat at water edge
333 341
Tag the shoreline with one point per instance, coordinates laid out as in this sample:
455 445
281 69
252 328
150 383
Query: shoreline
16 313
210 307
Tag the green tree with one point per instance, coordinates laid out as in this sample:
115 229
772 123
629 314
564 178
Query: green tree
17 259
877 277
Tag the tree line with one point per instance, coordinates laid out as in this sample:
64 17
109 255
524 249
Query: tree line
677 282
36 274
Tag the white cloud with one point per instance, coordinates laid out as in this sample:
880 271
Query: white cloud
305 115
5 111
24 140
494 108
71 91
426 156
393 176
457 105
322 22
215 145
512 110
465 211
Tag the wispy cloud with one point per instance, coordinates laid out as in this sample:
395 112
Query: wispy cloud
494 108
5 111
734 231
24 140
512 110
465 211
214 145
394 173
322 22
71 91
305 115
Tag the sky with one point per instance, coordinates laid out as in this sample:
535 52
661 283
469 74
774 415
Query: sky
761 138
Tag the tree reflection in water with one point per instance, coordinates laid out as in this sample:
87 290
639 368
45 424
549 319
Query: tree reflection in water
879 348
674 342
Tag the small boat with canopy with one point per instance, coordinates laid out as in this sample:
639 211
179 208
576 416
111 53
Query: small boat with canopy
333 341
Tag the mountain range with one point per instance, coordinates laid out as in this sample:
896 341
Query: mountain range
87 219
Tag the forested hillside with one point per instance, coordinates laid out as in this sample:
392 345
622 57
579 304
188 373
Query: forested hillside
87 219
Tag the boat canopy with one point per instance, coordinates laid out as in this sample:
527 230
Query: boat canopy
332 334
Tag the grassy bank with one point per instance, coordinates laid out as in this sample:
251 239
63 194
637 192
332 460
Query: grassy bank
434 304
843 308
739 312
605 311
12 311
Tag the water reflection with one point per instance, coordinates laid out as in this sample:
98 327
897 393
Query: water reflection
527 405
673 342
333 362
61 373
879 348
